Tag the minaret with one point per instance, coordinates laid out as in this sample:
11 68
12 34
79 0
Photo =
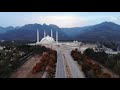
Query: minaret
51 34
56 36
37 35
44 33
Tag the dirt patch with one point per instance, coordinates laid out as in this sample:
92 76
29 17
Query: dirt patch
107 70
25 70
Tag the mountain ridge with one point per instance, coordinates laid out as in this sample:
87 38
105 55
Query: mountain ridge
28 32
98 32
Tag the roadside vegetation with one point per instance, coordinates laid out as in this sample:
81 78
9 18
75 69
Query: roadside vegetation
47 64
12 56
112 45
108 60
90 69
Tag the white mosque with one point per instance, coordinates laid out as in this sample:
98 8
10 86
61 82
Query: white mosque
47 39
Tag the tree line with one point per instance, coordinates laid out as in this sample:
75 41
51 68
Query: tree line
11 55
110 61
90 68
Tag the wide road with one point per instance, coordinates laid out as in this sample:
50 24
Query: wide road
75 71
60 71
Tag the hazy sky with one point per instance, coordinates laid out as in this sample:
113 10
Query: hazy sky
62 19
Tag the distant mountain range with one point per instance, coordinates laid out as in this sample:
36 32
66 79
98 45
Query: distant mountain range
100 32
29 32
5 29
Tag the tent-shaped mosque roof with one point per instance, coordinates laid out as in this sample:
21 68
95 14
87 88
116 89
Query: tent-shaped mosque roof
47 40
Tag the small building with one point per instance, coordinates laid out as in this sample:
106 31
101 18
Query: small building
2 47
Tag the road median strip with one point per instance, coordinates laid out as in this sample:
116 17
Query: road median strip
67 69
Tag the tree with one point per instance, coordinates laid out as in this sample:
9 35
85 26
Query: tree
110 63
117 67
43 49
50 71
96 67
89 52
90 74
76 54
36 68
51 63
106 75
86 67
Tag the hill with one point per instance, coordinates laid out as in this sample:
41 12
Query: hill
105 31
28 32
99 32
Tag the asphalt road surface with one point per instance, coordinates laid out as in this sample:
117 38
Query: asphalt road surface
76 73
60 72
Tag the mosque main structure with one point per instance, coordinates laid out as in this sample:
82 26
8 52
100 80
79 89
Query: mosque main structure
47 39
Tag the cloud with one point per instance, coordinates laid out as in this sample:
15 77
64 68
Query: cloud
60 20
65 20
112 18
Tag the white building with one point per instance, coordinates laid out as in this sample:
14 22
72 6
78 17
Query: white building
2 47
47 39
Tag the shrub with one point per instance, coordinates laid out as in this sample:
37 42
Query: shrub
106 75
50 71
75 54
96 67
90 74
48 60
89 52
36 68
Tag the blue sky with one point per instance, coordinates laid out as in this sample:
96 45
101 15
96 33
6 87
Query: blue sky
62 19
